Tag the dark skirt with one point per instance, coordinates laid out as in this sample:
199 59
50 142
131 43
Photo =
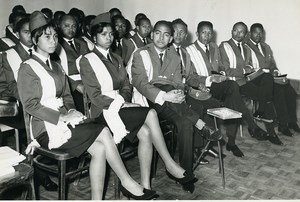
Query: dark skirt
133 119
83 136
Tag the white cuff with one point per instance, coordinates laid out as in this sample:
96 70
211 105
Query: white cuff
159 98
208 81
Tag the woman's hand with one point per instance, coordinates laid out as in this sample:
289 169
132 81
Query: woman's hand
70 116
128 104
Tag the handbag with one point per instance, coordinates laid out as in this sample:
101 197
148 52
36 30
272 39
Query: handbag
8 108
281 80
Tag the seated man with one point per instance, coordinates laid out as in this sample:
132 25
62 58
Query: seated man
68 50
234 62
156 74
221 89
284 95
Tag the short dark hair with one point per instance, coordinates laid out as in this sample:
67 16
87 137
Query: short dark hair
204 23
117 17
179 21
20 24
256 25
240 23
48 12
138 16
165 23
98 28
14 16
138 23
18 8
38 32
115 10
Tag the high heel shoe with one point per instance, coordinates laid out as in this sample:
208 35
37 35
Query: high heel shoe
148 194
188 178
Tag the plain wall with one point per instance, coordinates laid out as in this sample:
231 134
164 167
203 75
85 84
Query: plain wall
281 18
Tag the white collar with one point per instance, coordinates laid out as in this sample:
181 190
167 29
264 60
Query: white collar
140 37
236 42
159 52
254 42
202 45
102 51
43 58
26 48
176 46
67 40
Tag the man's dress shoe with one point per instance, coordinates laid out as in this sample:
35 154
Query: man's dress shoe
235 150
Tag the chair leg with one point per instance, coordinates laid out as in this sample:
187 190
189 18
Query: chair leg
80 165
221 165
62 180
154 163
17 140
201 155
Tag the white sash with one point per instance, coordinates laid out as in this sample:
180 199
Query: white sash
255 63
198 60
60 133
63 58
135 46
8 42
230 54
137 97
111 115
14 61
90 44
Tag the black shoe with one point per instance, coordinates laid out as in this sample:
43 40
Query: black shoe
258 133
275 139
261 117
49 185
188 187
211 134
285 131
148 194
294 126
188 178
235 150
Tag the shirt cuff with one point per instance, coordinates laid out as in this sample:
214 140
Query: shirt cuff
208 81
159 98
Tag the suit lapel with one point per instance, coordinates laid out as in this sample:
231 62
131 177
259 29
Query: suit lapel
204 56
22 52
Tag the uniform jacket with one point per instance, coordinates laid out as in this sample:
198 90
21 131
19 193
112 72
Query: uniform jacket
93 87
72 55
168 73
8 70
30 91
11 35
266 59
240 61
6 43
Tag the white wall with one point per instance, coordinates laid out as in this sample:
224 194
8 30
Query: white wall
281 18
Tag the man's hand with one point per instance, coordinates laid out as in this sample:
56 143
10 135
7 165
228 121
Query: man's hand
248 70
174 96
217 78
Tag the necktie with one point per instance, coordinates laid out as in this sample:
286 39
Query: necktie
239 46
30 51
161 58
47 63
72 45
207 51
257 45
144 41
119 48
177 50
108 57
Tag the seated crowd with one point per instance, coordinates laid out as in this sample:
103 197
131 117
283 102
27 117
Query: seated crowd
134 78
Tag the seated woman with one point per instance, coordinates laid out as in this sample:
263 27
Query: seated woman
45 95
106 83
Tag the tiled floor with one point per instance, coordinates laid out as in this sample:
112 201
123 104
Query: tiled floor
266 172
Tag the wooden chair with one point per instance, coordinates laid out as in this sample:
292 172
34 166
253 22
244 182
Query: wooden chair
61 158
10 109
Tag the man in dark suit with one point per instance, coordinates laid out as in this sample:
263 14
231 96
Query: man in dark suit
235 57
68 50
284 94
156 74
